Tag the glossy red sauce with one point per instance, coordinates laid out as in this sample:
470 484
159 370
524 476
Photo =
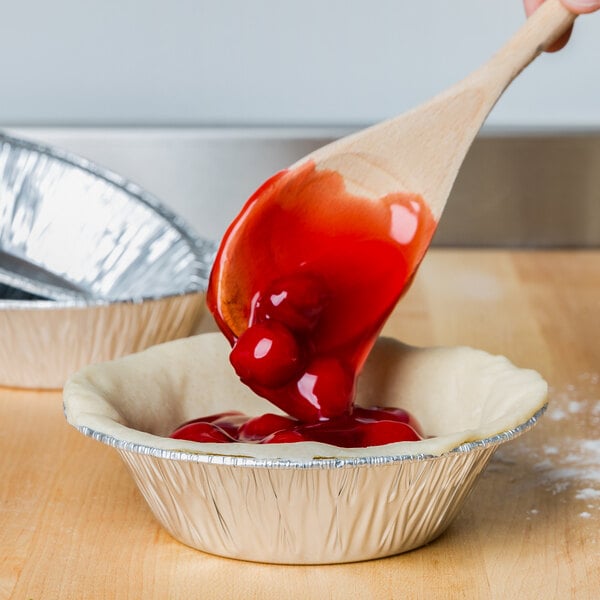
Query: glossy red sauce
365 427
303 282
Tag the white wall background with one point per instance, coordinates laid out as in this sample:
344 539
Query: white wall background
273 62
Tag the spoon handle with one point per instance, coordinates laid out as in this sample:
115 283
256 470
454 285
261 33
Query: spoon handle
457 114
422 150
541 29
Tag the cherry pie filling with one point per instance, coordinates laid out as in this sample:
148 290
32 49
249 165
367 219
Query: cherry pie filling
303 282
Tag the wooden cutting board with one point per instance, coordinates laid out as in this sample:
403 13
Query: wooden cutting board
73 525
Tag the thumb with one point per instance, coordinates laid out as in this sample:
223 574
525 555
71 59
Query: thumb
582 6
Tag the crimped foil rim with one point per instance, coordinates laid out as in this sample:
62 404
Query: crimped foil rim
314 463
198 245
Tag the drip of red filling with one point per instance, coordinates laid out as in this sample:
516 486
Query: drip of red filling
303 282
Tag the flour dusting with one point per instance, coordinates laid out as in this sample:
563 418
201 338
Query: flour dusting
588 494
575 406
568 467
557 414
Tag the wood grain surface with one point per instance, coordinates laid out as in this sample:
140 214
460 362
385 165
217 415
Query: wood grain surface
73 525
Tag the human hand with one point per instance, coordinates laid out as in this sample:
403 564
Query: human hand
578 7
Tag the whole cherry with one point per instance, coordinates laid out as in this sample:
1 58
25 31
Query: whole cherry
267 354
379 433
201 431
328 385
257 428
296 301
285 437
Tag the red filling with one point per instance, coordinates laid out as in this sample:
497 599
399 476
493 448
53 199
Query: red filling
303 282
365 427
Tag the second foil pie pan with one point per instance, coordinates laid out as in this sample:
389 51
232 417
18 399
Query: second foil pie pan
91 266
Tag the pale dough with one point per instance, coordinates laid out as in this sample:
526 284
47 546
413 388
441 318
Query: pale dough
458 395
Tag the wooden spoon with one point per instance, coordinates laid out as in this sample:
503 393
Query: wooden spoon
417 153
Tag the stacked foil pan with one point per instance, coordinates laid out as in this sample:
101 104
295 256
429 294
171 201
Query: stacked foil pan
91 266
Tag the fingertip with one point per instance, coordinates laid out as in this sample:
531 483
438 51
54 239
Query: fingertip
560 43
532 5
581 7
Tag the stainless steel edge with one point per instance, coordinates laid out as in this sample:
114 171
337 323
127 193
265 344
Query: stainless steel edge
519 188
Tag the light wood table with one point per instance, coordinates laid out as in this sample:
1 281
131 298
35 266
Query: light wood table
73 525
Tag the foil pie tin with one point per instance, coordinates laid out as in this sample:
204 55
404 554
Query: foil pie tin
91 266
304 503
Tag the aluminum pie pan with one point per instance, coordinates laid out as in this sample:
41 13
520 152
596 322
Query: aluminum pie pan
294 503
143 271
